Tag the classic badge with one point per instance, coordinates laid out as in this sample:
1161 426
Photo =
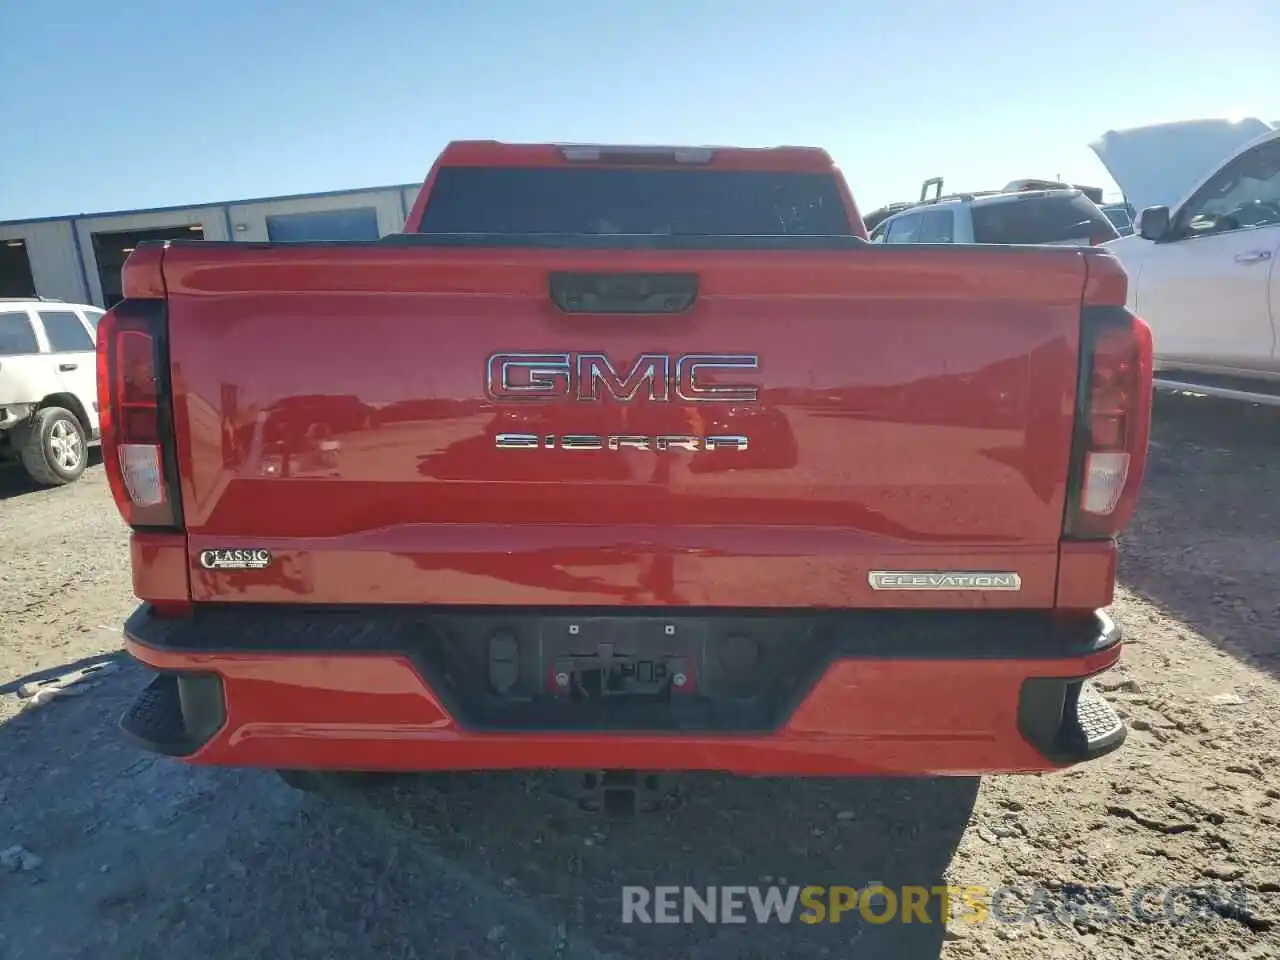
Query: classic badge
235 559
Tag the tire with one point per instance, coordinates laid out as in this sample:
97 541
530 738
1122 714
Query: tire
55 450
332 781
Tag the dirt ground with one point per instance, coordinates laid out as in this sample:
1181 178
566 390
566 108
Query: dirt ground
123 855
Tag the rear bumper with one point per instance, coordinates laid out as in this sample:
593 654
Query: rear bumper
901 693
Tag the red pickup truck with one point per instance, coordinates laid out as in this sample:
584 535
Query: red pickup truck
624 459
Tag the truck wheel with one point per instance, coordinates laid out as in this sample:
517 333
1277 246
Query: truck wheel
330 781
54 451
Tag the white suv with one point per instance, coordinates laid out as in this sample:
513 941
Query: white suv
1054 217
48 387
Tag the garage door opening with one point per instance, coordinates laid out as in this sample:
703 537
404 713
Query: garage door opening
111 250
15 270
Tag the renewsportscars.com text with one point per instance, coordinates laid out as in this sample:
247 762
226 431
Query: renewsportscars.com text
973 904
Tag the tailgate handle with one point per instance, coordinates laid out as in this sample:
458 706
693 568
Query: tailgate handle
660 293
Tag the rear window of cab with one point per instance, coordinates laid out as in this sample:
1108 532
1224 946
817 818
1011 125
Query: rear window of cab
602 201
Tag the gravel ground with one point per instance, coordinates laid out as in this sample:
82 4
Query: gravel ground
124 855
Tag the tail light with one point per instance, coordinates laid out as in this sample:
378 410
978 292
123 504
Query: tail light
133 410
1113 423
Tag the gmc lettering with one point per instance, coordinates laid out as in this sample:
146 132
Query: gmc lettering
686 378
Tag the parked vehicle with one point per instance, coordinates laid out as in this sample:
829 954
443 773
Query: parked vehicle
634 459
1202 264
1057 216
1030 183
880 214
48 391
1121 216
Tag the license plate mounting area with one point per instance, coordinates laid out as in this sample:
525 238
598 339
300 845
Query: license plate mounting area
591 659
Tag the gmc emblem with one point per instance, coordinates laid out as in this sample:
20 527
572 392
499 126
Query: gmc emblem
688 378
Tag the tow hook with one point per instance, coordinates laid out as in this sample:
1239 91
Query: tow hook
616 794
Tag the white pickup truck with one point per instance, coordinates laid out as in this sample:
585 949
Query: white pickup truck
1202 259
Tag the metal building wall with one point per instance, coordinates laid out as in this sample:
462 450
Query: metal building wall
61 251
210 219
51 250
408 196
249 218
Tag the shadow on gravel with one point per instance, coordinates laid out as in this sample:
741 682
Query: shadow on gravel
115 658
14 481
164 859
572 867
1205 542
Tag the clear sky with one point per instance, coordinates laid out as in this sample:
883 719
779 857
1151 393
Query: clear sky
158 102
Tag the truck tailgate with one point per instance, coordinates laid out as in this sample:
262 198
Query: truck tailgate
421 425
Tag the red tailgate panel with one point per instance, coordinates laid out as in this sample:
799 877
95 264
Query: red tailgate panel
914 410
